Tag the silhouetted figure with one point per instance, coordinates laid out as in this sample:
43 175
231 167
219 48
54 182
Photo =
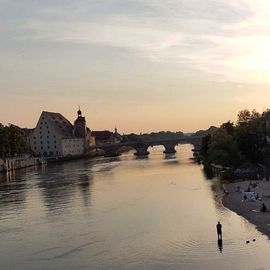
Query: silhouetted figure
220 245
257 196
263 208
219 231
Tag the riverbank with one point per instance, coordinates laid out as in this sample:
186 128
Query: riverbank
250 209
20 162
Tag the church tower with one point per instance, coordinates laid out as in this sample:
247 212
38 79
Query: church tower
80 129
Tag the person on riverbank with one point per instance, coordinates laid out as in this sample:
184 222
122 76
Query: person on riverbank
219 230
263 208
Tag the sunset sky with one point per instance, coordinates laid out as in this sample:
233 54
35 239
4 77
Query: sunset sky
140 65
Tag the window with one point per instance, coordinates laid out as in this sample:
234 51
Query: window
41 147
55 147
48 137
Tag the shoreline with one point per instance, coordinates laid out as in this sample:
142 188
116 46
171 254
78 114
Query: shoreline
250 210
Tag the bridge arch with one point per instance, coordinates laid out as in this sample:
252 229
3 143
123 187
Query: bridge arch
141 147
113 150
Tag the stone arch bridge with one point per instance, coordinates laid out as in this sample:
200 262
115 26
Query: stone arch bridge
141 147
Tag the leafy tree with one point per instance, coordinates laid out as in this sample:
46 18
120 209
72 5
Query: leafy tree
245 117
12 140
229 127
223 149
205 146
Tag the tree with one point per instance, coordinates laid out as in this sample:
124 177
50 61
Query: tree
205 146
223 149
12 140
229 127
245 117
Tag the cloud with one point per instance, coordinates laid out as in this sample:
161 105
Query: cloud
224 38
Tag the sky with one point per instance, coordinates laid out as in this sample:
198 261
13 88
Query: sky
138 65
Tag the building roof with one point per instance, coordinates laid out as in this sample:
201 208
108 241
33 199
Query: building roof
102 135
60 123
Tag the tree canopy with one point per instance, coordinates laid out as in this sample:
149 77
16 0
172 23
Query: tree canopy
12 140
233 144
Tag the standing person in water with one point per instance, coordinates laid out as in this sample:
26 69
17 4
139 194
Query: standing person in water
219 230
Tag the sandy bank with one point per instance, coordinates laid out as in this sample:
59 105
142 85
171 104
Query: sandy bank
250 210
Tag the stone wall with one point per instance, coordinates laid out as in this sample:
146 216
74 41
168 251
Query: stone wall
10 164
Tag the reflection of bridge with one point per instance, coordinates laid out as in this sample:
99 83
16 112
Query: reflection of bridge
141 147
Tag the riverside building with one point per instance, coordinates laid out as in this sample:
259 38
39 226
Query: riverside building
55 136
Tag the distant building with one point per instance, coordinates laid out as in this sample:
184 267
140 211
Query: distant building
106 137
55 136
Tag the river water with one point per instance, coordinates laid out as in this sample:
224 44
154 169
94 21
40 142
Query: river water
123 213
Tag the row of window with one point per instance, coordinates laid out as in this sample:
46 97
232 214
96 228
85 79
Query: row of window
74 152
72 140
48 147
41 142
47 136
69 146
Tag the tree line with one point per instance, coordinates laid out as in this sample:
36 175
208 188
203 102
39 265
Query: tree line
234 144
12 141
153 136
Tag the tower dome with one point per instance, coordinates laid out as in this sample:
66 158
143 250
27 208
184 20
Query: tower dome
79 112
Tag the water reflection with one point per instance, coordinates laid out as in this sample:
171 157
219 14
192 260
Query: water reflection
59 184
170 156
85 182
141 157
12 192
208 172
220 245
123 213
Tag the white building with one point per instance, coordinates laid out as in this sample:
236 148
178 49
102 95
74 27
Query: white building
55 136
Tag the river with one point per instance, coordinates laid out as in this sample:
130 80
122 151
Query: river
123 213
